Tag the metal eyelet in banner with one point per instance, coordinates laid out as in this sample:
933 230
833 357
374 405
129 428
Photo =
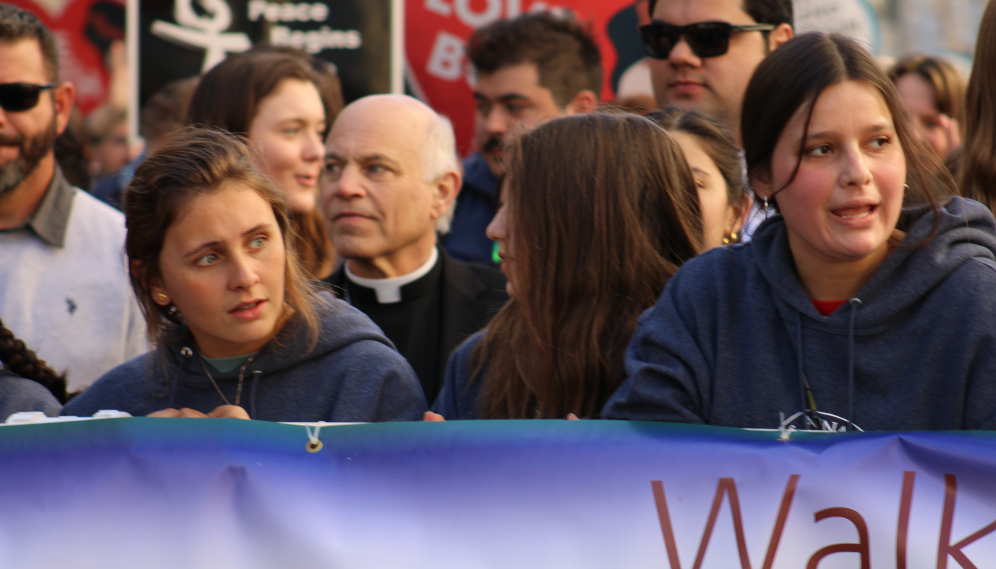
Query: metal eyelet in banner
314 443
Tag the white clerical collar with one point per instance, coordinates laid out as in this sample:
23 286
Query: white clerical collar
389 290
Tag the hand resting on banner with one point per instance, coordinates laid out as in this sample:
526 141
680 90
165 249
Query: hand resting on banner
220 412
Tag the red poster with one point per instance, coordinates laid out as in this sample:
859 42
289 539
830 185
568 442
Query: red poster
436 31
84 31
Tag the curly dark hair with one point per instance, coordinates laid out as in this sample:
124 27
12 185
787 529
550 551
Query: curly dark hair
20 360
563 49
763 11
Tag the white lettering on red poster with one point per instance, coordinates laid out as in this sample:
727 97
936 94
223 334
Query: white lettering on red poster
436 32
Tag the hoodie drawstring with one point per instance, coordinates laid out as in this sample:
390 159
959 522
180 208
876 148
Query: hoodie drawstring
808 400
855 303
805 394
252 396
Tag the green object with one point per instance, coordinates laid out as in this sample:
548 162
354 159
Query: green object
227 364
494 255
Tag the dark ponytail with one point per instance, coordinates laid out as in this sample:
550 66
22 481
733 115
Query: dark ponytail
23 362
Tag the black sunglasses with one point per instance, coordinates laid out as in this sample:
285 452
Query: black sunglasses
20 97
706 39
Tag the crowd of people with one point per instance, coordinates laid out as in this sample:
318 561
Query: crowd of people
799 237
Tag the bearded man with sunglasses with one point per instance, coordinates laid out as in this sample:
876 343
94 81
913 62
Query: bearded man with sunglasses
63 285
703 52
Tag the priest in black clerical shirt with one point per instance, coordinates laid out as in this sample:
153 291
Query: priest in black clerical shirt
392 175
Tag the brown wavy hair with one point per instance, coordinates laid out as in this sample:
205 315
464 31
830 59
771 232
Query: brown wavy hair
977 174
228 97
603 210
192 163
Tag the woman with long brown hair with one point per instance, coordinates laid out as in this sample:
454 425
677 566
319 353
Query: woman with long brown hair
599 211
977 171
238 329
275 99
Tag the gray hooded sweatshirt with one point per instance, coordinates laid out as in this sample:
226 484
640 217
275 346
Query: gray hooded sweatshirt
734 338
353 374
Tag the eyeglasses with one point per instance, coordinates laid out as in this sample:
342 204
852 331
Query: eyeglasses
706 39
20 97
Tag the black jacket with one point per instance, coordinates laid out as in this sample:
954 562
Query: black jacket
471 295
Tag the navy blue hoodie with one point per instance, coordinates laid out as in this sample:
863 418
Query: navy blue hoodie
734 334
467 240
459 398
18 394
354 374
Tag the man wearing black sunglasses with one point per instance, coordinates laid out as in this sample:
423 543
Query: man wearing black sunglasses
703 52
63 285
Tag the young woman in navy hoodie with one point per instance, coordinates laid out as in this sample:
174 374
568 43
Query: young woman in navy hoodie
238 330
847 310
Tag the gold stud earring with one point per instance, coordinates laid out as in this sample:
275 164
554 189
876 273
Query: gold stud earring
162 298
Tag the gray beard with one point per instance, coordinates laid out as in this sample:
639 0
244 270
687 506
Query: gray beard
32 150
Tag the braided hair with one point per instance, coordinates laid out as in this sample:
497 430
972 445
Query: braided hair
20 360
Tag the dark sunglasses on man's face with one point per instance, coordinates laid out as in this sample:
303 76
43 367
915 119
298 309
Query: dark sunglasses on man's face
706 39
19 97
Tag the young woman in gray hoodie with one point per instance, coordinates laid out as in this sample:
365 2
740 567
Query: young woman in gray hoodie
238 330
847 310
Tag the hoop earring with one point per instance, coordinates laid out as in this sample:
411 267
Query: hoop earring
731 238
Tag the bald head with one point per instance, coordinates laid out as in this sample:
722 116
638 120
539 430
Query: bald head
406 115
411 125
392 175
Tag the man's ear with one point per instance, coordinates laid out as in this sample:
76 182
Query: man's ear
446 189
583 102
63 97
779 35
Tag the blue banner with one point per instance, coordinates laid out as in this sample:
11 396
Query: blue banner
217 493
